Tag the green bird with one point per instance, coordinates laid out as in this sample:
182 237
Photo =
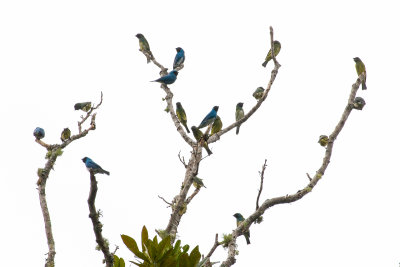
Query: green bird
239 220
198 182
65 134
85 106
198 134
277 48
217 125
360 68
258 93
323 140
239 114
180 112
144 46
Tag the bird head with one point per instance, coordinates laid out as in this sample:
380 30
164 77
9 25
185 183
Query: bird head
85 159
238 216
175 72
178 105
277 43
216 108
178 49
357 59
194 128
239 105
139 35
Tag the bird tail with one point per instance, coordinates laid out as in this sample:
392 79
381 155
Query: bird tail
237 129
247 239
209 152
265 63
364 86
187 129
106 172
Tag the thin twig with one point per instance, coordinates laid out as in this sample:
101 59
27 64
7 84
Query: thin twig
97 225
261 183
169 204
84 118
182 159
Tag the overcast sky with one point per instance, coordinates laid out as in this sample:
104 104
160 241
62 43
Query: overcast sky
54 54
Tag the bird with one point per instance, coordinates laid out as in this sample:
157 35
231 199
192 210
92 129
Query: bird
65 134
198 134
209 118
179 58
217 125
239 114
239 220
85 106
198 182
144 46
170 78
258 93
180 112
360 68
38 133
277 48
93 166
323 140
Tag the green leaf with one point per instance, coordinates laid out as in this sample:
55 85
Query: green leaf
163 248
121 262
195 256
145 237
185 248
184 261
131 244
116 261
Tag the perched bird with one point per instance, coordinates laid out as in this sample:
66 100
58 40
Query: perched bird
170 78
198 182
38 133
144 46
323 140
217 125
277 49
198 134
65 134
85 106
93 166
179 58
258 93
239 114
209 118
359 103
360 68
180 112
239 220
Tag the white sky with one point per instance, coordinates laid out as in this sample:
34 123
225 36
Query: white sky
54 54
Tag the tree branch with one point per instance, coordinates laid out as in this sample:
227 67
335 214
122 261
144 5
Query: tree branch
43 174
261 183
179 207
97 225
274 73
301 193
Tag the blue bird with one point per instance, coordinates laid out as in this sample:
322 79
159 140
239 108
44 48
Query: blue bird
240 219
170 78
38 133
209 118
93 166
179 58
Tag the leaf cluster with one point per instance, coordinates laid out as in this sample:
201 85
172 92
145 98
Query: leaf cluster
163 253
